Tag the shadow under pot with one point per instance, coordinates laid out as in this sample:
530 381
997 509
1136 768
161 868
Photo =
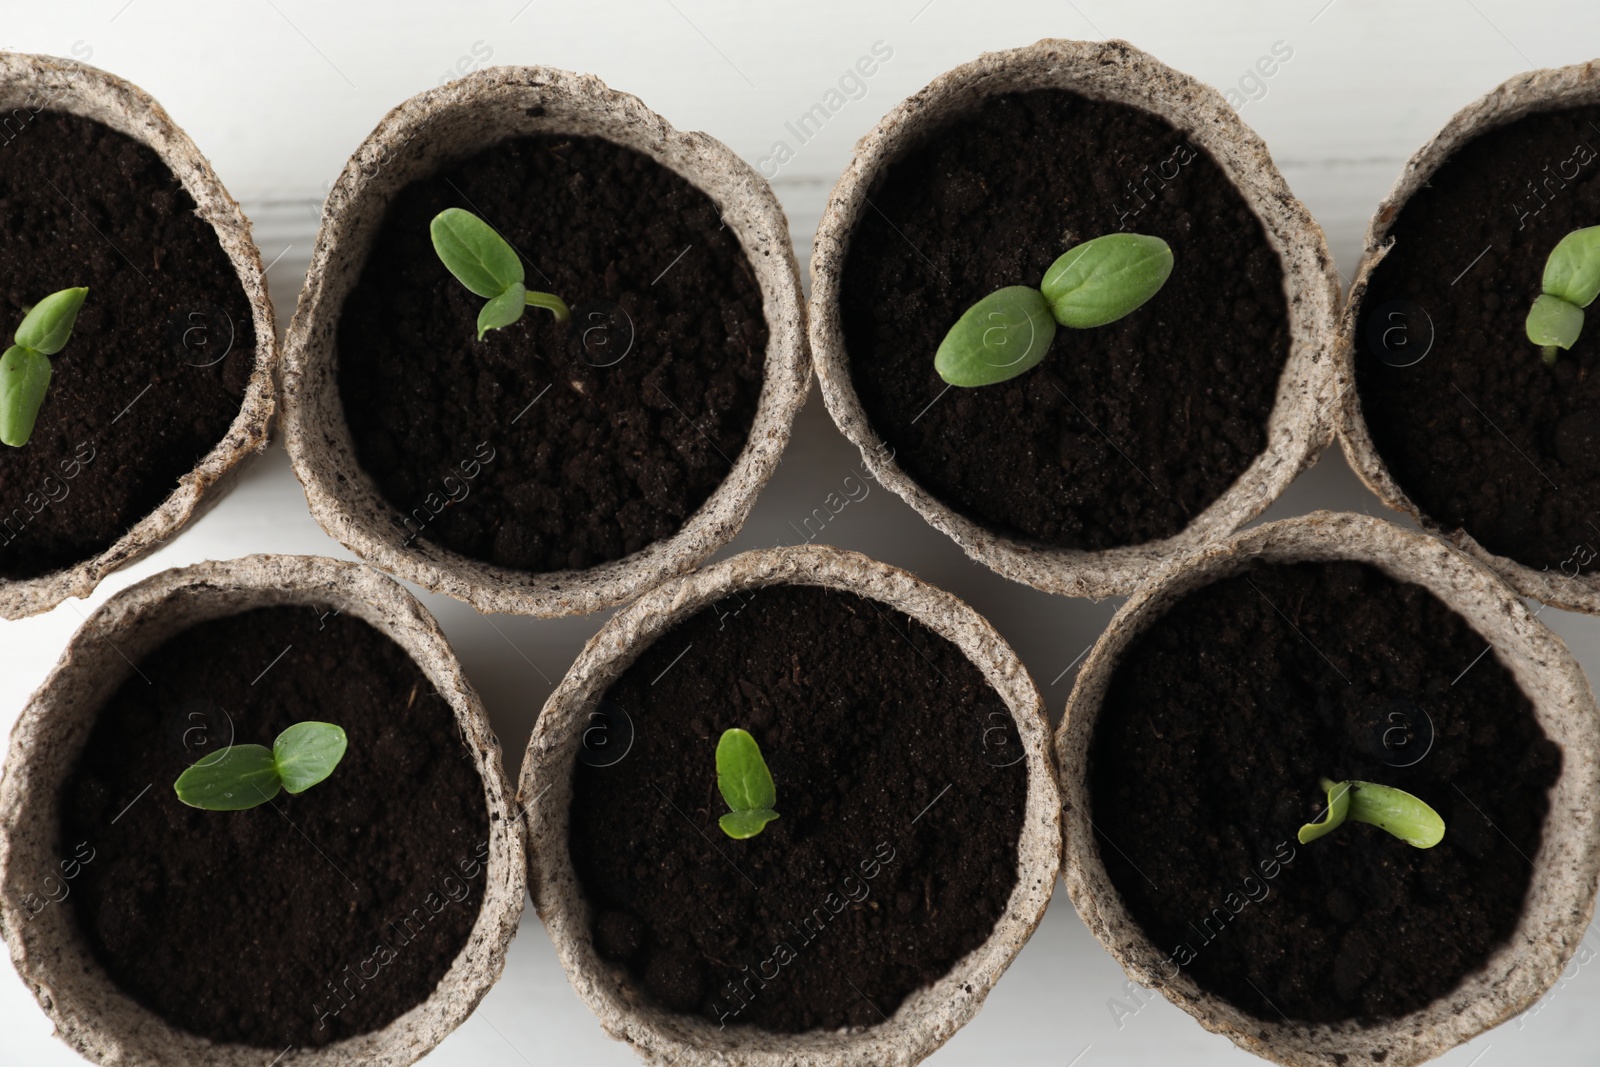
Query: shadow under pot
1330 789
1459 417
343 895
915 843
1121 443
589 446
163 385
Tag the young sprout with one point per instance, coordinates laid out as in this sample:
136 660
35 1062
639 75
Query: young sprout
25 367
746 785
1091 284
482 261
1571 282
242 776
1385 807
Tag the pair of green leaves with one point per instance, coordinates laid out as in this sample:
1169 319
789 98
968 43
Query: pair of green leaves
1091 284
242 776
746 785
1401 814
25 367
1571 282
485 263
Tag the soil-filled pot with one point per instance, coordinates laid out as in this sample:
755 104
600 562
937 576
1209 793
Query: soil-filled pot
1129 442
915 846
1454 416
358 921
553 467
165 386
1232 696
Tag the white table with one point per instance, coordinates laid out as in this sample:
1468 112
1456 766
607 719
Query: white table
278 92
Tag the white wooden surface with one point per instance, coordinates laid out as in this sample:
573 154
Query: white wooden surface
278 92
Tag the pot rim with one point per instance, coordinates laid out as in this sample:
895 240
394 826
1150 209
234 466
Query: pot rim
1561 896
89 1011
1517 96
1300 424
929 1016
454 120
93 93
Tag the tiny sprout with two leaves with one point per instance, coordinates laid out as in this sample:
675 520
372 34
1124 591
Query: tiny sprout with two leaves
1571 282
1091 284
242 776
746 785
1394 810
25 367
485 263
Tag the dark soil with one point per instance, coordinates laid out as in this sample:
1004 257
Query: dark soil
1206 759
159 359
1123 433
307 919
520 449
895 848
1480 434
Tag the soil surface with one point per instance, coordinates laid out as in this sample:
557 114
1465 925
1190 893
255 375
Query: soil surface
307 919
895 848
1206 760
1479 432
553 445
1122 434
161 354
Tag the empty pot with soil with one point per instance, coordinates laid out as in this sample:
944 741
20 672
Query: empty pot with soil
141 418
1329 787
915 843
1131 439
1457 415
614 434
173 893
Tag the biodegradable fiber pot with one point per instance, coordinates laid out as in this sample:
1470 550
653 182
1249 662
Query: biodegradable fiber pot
30 84
928 1016
1561 890
1418 334
415 141
90 1012
1299 425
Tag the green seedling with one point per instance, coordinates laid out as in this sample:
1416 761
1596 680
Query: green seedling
485 263
1091 284
243 776
1571 282
1394 810
746 785
25 367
